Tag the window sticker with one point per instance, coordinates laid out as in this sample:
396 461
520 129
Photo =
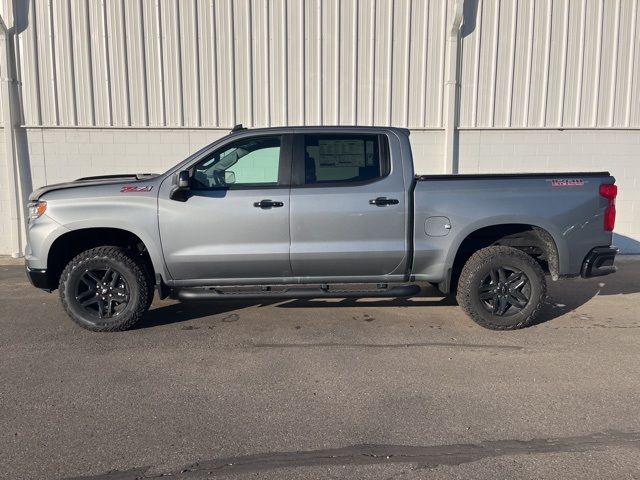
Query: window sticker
341 153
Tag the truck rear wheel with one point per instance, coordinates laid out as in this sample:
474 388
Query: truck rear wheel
105 289
502 288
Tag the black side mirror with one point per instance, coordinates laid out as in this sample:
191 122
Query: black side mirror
181 188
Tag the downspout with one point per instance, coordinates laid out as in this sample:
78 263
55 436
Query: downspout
10 151
452 84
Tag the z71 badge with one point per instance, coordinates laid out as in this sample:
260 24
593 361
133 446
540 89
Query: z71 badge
134 189
567 182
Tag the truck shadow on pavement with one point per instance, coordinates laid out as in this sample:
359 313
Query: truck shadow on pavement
182 312
564 296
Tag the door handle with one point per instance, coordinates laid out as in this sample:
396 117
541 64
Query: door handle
268 204
382 201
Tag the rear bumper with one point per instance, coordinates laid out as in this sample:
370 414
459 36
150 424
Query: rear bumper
599 262
39 278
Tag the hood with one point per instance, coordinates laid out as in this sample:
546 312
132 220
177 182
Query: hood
92 181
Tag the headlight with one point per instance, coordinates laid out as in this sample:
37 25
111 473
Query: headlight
36 209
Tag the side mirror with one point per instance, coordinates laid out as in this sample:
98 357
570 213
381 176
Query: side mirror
180 190
229 177
183 180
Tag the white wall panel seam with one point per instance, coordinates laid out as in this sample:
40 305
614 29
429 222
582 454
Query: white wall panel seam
372 62
196 64
614 66
143 66
303 62
107 69
72 44
563 64
476 68
319 61
125 66
512 60
336 56
356 36
597 64
441 66
285 61
232 96
408 63
527 88
545 80
35 63
214 64
583 20
180 96
390 29
634 22
54 83
494 63
160 60
91 79
423 71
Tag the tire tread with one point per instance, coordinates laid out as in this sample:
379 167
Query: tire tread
477 261
142 279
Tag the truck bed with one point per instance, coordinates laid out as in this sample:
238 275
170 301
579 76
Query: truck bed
450 207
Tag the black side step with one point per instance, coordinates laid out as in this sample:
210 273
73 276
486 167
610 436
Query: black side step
319 292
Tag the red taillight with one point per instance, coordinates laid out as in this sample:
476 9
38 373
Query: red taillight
609 191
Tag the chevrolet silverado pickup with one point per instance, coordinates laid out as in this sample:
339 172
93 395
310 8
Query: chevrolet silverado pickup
313 212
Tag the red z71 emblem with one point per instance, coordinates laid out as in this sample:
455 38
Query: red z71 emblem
134 189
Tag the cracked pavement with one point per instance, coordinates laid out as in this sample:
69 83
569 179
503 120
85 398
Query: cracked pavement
405 389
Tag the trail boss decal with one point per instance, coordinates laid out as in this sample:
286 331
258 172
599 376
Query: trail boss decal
567 182
134 189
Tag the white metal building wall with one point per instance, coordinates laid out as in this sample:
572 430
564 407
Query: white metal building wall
214 63
551 63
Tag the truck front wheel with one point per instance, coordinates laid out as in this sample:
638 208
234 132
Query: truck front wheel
502 288
105 289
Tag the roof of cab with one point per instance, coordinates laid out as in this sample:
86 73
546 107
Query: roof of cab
317 128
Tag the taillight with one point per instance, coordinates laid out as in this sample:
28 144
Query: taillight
609 191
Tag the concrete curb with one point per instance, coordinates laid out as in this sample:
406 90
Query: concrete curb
8 260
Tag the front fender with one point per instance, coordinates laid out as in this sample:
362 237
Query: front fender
135 215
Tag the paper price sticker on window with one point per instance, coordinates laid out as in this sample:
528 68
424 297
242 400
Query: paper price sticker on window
341 153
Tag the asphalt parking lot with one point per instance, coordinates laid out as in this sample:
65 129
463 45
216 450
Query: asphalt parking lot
405 389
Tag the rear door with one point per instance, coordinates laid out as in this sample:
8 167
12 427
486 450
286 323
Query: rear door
348 208
234 221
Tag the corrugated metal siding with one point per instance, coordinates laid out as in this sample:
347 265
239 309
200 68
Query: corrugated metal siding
214 63
552 63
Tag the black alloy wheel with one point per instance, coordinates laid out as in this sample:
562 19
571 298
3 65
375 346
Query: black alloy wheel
106 289
505 291
502 288
102 292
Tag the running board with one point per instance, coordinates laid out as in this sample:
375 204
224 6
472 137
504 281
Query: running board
287 293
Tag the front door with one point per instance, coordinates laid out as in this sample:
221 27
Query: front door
233 223
348 208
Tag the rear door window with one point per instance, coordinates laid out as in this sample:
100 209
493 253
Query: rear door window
342 158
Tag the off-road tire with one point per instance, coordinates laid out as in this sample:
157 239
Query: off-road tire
129 266
151 284
478 266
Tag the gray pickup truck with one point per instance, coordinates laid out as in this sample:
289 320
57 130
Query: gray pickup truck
309 212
